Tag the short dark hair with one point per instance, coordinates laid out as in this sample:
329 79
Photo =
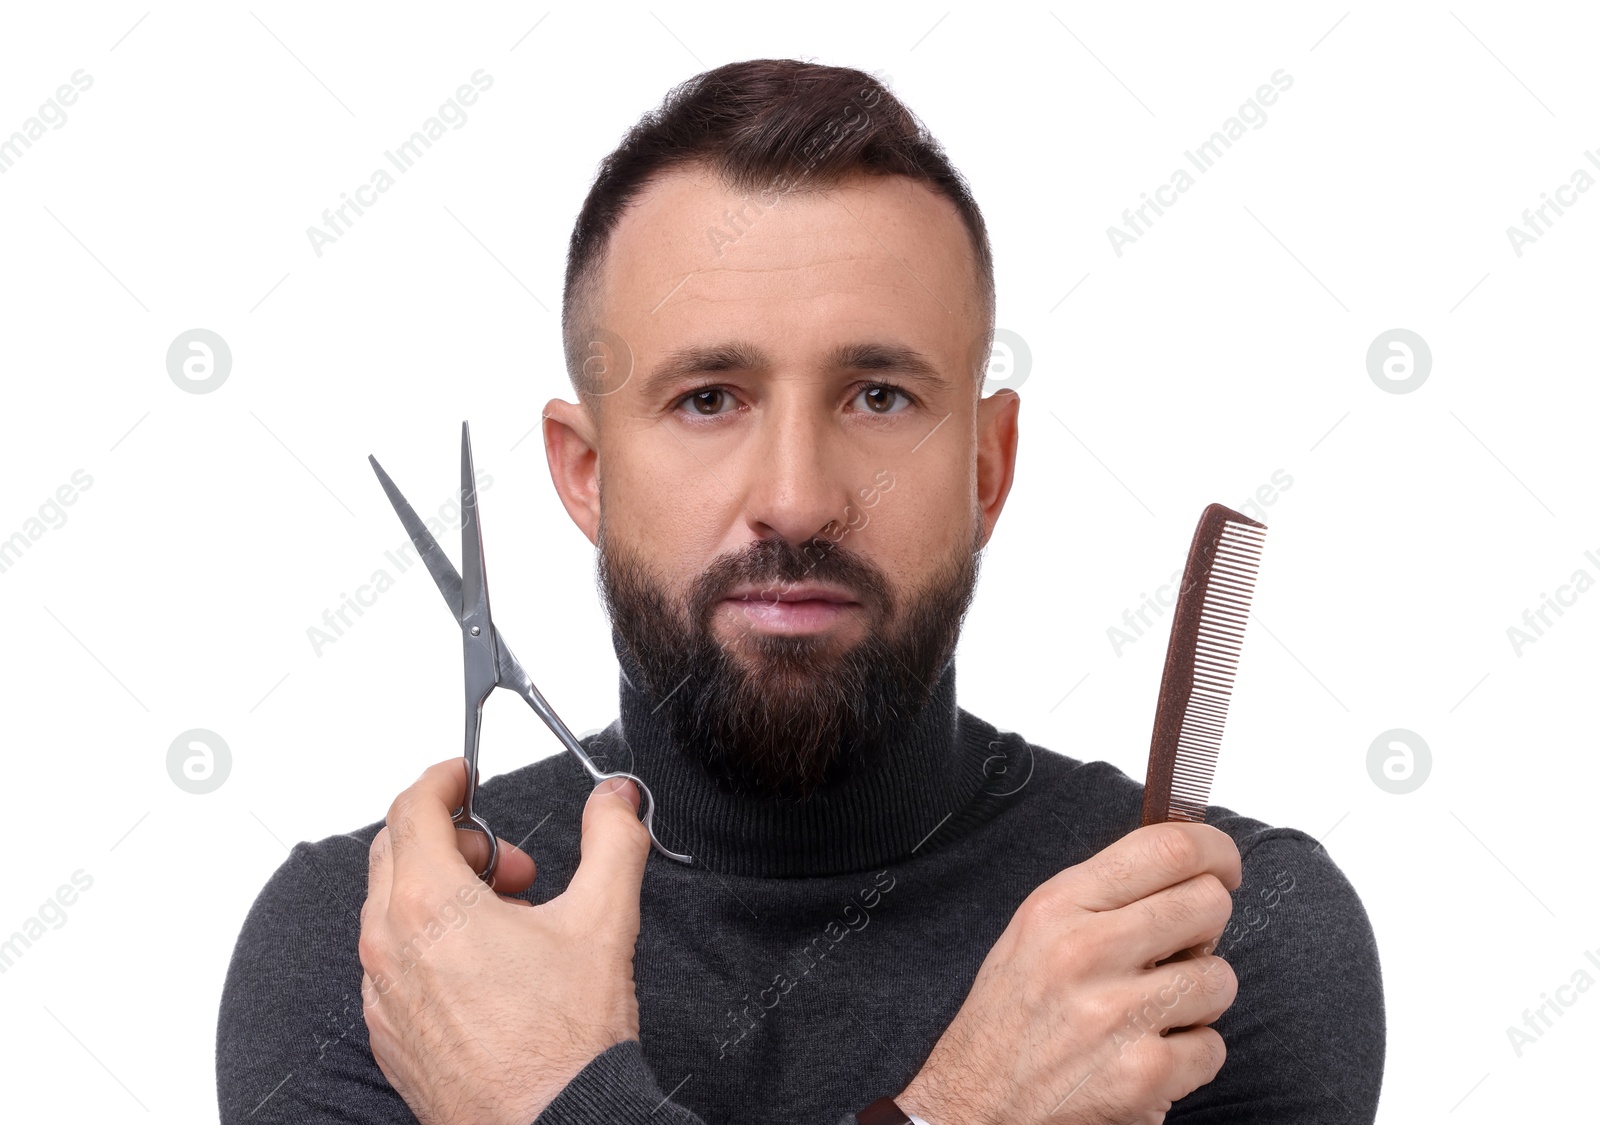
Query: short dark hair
769 125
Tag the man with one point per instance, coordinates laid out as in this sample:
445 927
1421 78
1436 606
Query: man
778 310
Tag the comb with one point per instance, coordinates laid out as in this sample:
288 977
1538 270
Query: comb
1202 659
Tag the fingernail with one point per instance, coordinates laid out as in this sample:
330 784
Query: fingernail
622 788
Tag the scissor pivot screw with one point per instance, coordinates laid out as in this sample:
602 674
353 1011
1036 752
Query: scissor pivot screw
476 630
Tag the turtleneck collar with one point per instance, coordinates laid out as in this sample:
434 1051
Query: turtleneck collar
931 776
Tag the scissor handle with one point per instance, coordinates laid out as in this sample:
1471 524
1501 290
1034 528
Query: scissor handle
466 820
648 804
515 677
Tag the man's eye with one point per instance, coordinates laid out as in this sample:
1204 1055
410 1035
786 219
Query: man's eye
708 401
876 398
879 398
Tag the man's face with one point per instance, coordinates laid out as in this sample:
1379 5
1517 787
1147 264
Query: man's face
789 471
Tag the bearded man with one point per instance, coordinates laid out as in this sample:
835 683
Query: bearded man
778 312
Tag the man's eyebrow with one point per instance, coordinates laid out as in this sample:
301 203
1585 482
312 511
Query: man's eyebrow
681 363
738 355
895 358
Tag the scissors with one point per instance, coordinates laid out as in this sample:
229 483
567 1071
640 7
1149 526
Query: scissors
488 661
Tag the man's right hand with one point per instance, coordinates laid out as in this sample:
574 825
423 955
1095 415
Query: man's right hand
1071 1019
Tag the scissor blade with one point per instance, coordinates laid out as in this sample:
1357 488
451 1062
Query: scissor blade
428 550
474 579
512 674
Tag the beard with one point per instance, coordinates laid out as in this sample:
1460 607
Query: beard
793 715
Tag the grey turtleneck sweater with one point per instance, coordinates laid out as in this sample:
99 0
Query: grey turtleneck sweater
814 953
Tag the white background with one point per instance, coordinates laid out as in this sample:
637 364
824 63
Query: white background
1227 343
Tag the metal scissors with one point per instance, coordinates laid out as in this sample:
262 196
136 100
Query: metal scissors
488 661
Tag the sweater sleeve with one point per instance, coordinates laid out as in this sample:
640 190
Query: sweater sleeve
291 1038
1306 1033
617 1088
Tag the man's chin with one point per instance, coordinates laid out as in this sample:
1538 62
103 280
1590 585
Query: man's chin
777 715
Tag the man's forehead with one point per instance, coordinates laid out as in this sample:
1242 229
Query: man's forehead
691 237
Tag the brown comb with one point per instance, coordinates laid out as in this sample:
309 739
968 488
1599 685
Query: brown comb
1202 659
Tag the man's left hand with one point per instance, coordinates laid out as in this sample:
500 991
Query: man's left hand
482 1007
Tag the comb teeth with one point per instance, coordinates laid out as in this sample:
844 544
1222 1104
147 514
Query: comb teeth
1223 615
1202 660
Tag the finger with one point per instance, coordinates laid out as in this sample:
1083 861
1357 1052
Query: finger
613 849
514 870
1204 948
1221 993
1187 994
422 838
1174 919
1197 1055
1147 860
380 875
375 907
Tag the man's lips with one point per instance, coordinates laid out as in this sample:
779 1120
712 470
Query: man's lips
801 608
783 592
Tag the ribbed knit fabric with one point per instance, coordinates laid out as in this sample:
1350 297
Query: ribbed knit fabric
810 958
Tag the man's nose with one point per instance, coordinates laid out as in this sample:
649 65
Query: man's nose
795 486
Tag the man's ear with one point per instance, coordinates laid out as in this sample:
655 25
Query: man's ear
997 454
572 448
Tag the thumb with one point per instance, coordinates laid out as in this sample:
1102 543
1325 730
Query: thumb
613 850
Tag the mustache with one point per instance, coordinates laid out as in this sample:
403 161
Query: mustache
774 564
